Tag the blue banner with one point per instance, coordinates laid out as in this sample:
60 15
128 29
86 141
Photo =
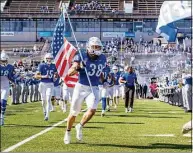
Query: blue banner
129 34
45 34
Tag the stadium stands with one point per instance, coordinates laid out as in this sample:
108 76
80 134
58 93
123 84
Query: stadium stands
113 3
51 6
26 6
148 7
9 47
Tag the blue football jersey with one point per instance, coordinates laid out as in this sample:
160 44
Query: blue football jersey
94 68
31 81
110 80
116 76
57 82
106 72
122 74
49 70
8 71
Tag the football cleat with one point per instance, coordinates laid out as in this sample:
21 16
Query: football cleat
46 119
126 110
78 132
67 137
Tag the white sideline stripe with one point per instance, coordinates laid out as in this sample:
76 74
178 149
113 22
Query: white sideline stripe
187 135
162 112
32 137
159 135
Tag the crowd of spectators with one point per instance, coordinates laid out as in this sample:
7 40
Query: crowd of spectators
44 9
129 46
27 50
91 5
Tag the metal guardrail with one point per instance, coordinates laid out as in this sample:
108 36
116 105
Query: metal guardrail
81 13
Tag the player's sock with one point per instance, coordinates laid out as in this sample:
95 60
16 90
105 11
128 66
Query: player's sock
64 108
3 109
44 106
104 103
49 106
3 106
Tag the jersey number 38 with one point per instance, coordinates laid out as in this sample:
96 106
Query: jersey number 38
95 70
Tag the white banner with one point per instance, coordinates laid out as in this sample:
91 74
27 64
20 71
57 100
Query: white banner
114 34
7 33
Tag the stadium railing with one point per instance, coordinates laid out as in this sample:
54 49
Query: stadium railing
88 13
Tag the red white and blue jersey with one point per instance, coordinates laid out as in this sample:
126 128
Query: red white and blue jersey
49 70
94 68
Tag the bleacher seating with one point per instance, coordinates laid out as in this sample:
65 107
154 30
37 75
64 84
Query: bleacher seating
32 6
147 7
7 46
113 3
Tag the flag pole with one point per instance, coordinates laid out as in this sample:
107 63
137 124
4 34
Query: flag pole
64 11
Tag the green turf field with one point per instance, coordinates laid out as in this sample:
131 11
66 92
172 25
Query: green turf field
116 132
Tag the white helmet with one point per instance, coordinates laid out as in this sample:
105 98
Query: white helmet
115 67
121 69
4 56
126 68
94 41
48 58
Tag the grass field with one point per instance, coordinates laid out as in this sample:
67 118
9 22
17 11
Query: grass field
116 132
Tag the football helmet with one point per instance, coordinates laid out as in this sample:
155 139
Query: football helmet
94 47
48 58
115 69
4 58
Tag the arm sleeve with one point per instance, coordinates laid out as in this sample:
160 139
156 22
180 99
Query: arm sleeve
123 77
39 68
12 75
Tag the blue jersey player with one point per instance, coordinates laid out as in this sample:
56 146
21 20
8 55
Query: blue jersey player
116 74
46 73
57 93
94 62
7 75
105 88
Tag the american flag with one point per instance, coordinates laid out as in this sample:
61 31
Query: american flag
63 51
70 81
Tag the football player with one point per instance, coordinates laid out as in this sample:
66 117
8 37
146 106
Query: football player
104 91
93 62
116 75
7 75
46 73
56 91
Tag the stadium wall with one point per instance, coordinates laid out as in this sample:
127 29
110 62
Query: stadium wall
18 36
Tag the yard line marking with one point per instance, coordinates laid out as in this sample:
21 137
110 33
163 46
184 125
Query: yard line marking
173 112
32 137
159 135
187 135
162 112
